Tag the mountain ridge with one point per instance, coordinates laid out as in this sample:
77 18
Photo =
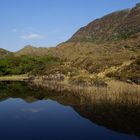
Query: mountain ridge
115 26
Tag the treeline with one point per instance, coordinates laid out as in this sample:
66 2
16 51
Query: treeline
16 65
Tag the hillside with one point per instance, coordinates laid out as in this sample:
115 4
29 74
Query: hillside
129 73
115 26
4 52
105 42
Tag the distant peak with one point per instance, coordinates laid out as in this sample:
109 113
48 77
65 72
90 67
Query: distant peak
28 46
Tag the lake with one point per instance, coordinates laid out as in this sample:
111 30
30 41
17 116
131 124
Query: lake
30 113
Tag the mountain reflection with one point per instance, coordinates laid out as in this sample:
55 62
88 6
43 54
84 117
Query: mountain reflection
116 117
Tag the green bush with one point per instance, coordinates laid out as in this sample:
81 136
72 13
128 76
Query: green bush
12 65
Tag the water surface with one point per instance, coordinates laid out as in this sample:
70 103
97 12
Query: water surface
34 114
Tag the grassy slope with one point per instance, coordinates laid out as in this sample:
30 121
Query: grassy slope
127 72
97 57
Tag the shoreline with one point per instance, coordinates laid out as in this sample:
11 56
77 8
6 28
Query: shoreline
116 92
14 78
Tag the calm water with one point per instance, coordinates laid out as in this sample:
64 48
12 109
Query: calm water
31 114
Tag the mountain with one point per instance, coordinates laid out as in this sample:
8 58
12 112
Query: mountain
115 26
32 51
105 42
4 52
104 29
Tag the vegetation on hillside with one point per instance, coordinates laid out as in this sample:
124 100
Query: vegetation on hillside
118 25
13 65
4 52
128 73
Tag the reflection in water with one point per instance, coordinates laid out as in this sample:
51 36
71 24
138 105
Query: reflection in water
42 113
33 110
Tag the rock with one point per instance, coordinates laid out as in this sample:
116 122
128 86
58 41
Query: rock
31 78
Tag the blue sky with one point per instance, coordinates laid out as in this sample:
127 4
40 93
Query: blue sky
47 23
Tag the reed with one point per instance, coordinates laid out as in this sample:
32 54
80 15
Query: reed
116 92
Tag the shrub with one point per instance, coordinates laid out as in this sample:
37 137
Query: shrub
12 65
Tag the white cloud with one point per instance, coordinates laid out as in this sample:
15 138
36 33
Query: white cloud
31 36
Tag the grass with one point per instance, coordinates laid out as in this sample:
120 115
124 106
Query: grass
129 72
96 58
87 80
14 78
116 92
